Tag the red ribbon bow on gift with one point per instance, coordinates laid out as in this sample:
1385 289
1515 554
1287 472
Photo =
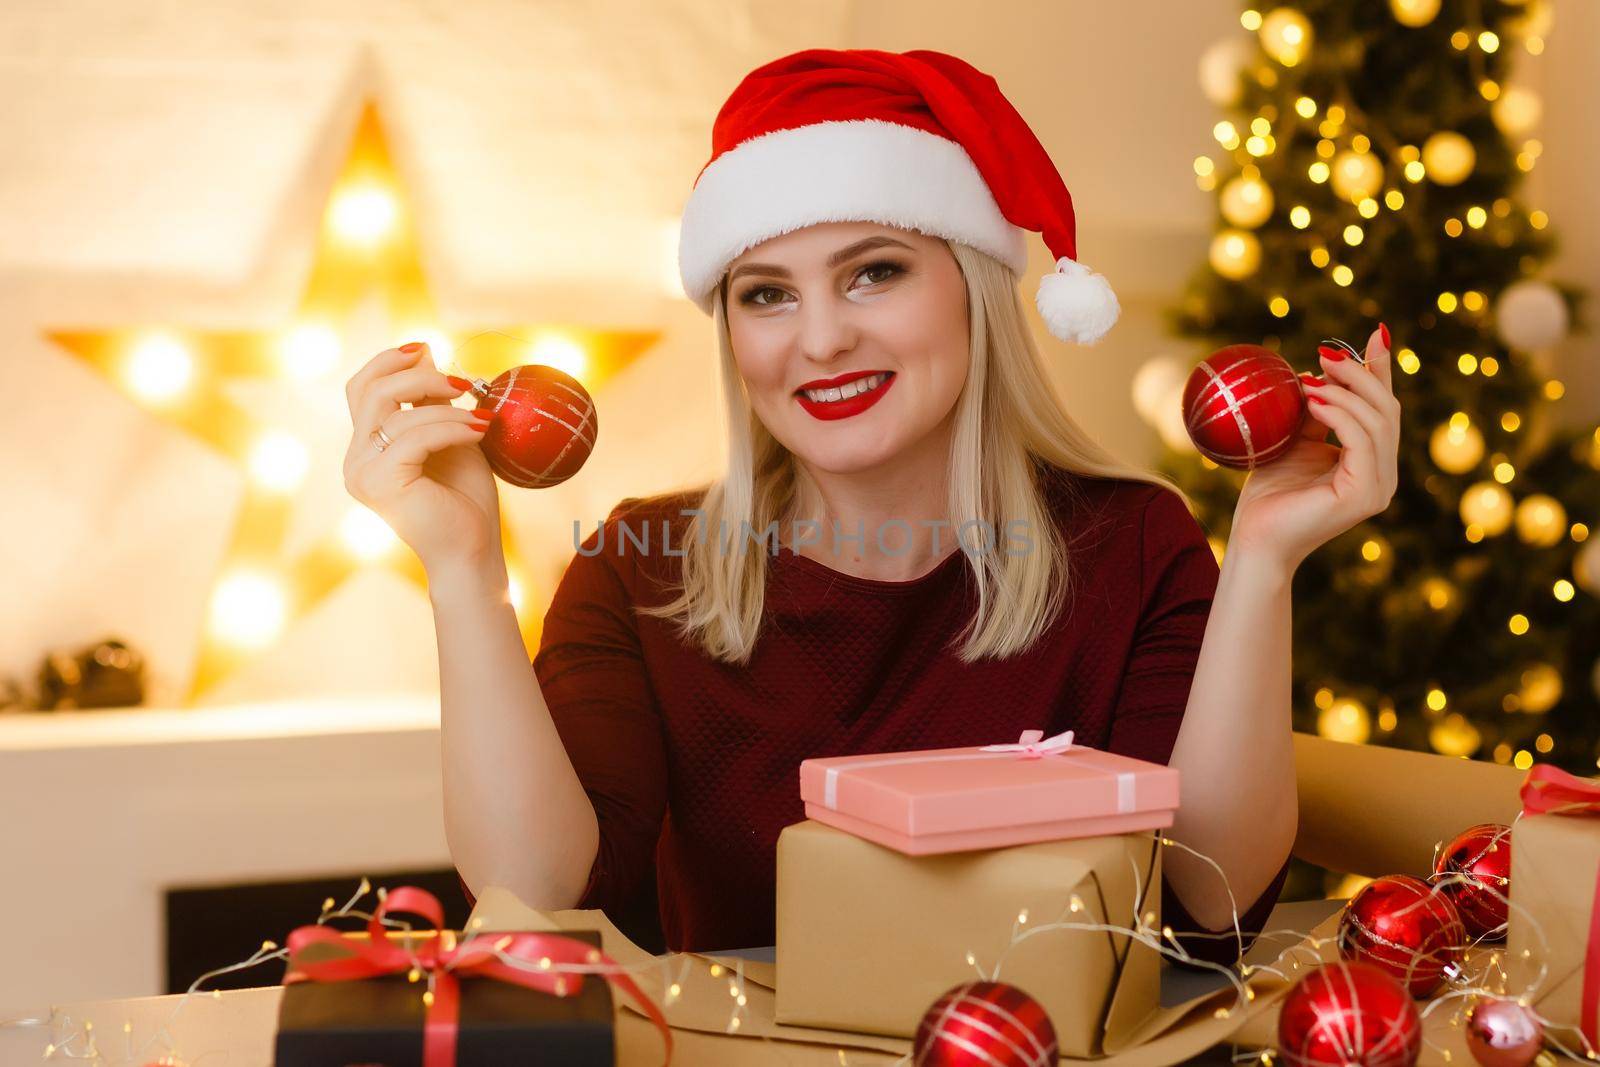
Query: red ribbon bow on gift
1549 790
446 960
1030 747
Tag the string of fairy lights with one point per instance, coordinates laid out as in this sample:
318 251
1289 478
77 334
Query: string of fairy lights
78 1039
1369 172
1469 979
1477 972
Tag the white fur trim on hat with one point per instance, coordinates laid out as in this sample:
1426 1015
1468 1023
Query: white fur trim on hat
860 170
1076 303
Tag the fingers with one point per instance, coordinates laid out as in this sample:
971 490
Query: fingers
372 476
405 420
383 396
1379 357
1311 429
1357 452
386 362
411 449
363 450
1364 383
1369 442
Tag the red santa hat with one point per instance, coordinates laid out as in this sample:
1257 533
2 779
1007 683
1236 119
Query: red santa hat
917 140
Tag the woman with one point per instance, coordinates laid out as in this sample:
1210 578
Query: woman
913 545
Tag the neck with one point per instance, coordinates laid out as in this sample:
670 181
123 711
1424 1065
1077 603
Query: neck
891 522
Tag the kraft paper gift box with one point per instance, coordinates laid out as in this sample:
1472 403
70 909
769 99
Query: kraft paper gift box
869 937
944 800
1555 898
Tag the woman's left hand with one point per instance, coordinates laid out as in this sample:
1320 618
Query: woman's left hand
1318 490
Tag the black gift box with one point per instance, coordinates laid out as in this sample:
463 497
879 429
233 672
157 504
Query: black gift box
380 1021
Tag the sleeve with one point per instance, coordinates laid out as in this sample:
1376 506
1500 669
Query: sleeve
1177 584
591 671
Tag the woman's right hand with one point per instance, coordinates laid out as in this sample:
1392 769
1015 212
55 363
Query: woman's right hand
433 485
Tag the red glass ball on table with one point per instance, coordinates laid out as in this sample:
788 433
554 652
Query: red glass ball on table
985 1024
1346 1014
1404 926
543 425
1474 871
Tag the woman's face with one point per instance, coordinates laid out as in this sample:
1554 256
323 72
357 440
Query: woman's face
879 308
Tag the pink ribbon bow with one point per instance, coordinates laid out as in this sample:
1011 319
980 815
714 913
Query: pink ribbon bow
1029 746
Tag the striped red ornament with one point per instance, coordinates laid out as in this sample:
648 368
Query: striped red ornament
1243 406
985 1024
1346 1014
543 427
1404 926
1474 871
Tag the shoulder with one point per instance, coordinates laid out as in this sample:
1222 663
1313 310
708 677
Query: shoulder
668 505
1086 506
652 523
642 537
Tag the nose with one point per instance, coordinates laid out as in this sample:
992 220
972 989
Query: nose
825 331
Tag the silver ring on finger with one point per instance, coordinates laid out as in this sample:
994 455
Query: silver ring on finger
381 440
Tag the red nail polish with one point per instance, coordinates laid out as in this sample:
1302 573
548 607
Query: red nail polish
414 346
483 413
1311 380
479 426
459 383
1331 354
1315 400
1383 331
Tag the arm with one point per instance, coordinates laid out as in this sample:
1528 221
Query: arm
592 670
1181 599
1236 736
594 688
1235 750
508 782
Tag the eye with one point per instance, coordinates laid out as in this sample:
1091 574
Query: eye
882 265
750 296
884 268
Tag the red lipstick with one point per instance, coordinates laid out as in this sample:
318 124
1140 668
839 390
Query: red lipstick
834 383
843 409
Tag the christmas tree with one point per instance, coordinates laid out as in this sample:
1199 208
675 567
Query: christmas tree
1369 167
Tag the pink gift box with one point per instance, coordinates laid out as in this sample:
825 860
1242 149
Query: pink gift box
954 799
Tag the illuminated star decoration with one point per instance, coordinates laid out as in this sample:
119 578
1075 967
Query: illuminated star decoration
273 400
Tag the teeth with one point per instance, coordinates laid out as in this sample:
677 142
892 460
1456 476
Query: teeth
846 391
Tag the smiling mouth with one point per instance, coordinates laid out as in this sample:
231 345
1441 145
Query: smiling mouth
847 390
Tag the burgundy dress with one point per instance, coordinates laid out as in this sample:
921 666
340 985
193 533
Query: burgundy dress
693 765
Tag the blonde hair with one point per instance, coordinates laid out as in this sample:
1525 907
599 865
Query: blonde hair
1008 421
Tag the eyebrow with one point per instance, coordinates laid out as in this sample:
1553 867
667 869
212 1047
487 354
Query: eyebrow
833 260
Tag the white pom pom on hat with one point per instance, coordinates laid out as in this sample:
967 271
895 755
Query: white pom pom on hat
919 140
1077 304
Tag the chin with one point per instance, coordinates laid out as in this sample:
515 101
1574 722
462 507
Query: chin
863 453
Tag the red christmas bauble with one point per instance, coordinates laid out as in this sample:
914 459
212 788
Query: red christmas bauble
1499 1032
991 1024
1403 926
1243 406
1346 1013
543 427
1474 871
